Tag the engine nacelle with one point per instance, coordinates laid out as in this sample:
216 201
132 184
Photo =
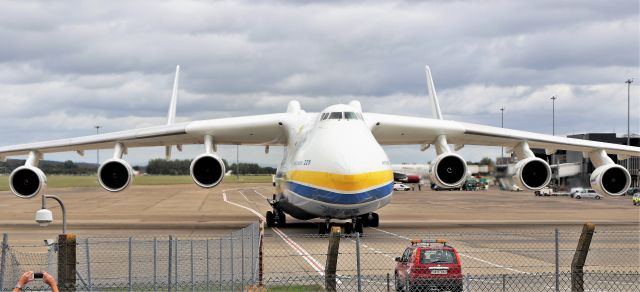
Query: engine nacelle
115 175
532 174
610 179
207 170
448 170
27 181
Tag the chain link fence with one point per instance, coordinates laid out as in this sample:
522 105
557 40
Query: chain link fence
281 259
145 263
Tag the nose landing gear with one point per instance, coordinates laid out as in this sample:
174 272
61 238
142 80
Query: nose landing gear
275 218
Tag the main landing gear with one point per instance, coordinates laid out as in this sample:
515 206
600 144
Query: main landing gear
275 218
357 224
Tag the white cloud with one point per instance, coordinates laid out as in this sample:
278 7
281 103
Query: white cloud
68 65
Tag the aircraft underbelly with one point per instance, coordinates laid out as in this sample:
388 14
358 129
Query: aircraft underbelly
303 206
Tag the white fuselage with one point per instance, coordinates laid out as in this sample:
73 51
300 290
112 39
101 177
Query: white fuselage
333 168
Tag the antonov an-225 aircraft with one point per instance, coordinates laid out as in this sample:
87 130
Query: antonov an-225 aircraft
334 166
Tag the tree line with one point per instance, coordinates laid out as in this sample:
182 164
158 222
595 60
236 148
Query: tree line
181 167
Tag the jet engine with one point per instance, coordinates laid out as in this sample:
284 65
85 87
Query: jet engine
448 170
532 174
207 170
27 181
115 175
610 179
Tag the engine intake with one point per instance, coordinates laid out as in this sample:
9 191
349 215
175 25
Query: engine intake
207 170
448 170
27 181
532 174
115 175
610 179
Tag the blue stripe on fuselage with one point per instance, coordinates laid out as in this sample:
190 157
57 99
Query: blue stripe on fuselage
340 198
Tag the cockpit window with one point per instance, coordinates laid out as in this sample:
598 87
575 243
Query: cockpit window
324 116
350 116
335 116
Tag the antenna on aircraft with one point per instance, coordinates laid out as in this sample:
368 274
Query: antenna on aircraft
174 99
435 105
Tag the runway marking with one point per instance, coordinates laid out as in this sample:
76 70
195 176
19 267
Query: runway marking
259 193
294 245
461 254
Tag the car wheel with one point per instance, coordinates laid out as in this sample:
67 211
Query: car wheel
597 197
578 197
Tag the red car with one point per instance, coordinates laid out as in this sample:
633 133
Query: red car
429 265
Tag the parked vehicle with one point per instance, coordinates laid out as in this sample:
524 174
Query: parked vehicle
588 193
636 199
544 192
426 265
400 187
470 185
573 191
632 190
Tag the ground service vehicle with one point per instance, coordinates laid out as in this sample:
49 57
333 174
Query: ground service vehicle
428 265
400 187
636 199
588 193
631 191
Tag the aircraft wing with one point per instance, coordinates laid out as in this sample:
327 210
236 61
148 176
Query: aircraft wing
252 130
403 130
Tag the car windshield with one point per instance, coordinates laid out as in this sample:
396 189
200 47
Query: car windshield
438 256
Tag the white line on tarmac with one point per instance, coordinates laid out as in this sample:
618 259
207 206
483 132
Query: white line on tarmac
461 254
294 245
259 193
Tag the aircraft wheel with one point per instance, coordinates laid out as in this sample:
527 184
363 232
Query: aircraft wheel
358 227
376 220
271 219
348 228
282 219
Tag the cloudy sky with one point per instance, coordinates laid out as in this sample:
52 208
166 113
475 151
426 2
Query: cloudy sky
66 66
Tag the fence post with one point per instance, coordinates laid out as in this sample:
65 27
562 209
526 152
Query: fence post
169 273
557 233
220 263
233 280
253 253
155 264
242 258
192 266
504 282
388 283
176 263
580 257
3 258
207 261
332 259
86 242
130 264
359 275
67 262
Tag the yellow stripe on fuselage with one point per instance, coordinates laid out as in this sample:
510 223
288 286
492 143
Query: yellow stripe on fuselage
341 182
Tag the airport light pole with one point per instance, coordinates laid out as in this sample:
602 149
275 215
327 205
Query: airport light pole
628 82
98 150
553 115
502 126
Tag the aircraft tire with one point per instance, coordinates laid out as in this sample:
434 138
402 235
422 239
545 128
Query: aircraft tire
322 229
282 219
271 219
348 228
376 220
358 227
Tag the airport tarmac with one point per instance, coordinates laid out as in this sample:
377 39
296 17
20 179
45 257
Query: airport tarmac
188 211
